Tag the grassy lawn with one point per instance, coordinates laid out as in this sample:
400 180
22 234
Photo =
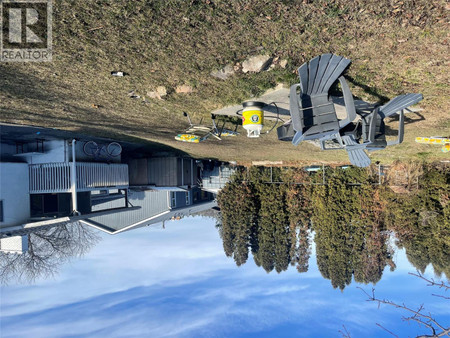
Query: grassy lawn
396 47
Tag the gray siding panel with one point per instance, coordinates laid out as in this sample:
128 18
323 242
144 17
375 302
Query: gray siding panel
137 169
187 171
179 172
162 172
151 203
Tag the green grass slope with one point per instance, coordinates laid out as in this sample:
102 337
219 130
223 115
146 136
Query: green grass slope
396 47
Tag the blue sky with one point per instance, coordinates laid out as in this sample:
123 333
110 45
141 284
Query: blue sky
177 282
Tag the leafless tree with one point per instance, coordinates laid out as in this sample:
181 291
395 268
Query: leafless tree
418 315
345 333
48 249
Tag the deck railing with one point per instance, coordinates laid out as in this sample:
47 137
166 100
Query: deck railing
56 177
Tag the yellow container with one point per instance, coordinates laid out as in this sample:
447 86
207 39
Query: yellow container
253 118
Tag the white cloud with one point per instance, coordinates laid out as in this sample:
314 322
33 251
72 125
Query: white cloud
183 252
178 282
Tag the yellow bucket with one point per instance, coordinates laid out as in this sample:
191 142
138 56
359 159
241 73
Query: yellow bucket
253 118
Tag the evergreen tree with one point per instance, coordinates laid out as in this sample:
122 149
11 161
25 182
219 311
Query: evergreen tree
350 216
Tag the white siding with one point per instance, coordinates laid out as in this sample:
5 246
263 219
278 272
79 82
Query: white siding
14 193
15 244
54 151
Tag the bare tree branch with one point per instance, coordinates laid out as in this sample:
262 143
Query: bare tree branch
424 319
379 325
443 333
418 320
440 296
345 334
431 281
48 249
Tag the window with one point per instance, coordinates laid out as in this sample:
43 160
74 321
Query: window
173 200
188 197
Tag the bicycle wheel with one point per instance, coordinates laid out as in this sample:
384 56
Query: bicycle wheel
90 148
114 149
102 154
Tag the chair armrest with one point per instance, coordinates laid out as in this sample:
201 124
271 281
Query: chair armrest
399 103
373 124
294 108
356 146
358 158
349 103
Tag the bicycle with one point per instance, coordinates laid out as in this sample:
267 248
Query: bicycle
91 148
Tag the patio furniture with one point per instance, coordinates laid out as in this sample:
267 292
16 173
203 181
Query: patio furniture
286 131
312 112
371 129
373 126
348 139
355 152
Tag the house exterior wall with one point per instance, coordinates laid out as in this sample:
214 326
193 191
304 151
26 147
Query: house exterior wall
151 203
198 195
188 169
163 172
14 193
54 151
7 150
14 244
138 171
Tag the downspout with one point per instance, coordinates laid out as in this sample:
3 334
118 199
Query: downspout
192 173
182 171
66 151
73 181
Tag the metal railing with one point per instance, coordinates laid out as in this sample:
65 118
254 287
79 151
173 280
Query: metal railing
56 177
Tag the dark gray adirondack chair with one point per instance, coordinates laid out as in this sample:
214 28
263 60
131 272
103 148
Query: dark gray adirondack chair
374 133
373 126
312 111
373 130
